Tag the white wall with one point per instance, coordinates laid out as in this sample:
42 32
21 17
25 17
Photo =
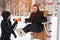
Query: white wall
54 28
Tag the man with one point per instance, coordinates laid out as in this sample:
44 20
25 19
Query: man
36 18
6 26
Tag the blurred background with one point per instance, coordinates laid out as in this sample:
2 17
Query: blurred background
23 8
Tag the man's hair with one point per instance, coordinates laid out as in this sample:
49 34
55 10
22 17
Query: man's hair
36 6
5 14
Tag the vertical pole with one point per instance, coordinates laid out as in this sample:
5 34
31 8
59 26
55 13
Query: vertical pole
58 15
4 5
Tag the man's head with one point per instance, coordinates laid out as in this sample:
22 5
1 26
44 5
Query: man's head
6 15
35 8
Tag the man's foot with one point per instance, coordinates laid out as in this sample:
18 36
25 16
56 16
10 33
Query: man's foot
20 32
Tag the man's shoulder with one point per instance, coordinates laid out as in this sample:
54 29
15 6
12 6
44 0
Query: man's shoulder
3 21
41 11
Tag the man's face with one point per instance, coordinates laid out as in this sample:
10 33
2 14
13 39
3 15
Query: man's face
34 9
9 17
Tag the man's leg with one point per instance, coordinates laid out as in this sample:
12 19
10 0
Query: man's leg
27 28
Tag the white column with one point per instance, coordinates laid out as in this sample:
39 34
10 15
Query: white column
58 13
33 2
